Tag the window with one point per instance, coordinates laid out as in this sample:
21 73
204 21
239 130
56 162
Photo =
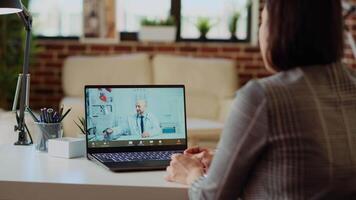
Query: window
219 14
56 18
63 18
130 12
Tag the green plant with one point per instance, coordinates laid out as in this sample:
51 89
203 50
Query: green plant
203 25
235 16
12 42
154 22
233 23
248 4
81 125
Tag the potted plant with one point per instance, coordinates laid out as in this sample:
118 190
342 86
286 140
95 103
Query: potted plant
235 17
233 24
203 25
158 30
91 132
81 125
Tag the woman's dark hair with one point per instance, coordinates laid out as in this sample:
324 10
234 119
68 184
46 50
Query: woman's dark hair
304 33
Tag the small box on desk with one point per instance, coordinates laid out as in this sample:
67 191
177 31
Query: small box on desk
66 147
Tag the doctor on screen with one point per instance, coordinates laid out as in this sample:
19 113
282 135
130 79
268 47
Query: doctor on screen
141 123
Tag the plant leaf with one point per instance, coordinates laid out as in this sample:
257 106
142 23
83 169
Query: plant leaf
81 129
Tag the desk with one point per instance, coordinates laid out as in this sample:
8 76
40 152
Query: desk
28 174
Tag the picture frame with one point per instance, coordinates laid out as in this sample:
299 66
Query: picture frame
99 22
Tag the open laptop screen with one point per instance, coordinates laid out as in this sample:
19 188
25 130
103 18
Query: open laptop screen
135 116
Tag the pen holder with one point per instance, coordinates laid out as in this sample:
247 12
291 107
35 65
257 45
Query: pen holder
47 131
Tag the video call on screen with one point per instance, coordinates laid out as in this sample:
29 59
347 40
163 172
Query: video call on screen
135 117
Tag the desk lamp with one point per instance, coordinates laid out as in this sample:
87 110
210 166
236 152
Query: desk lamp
9 7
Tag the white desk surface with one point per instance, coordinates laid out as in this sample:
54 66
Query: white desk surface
25 169
28 174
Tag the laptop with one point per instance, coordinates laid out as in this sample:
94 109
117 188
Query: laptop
136 127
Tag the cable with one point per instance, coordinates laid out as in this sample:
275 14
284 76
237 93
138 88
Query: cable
29 134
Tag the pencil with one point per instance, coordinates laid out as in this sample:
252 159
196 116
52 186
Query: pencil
65 114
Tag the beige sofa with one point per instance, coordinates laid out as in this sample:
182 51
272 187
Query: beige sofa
210 83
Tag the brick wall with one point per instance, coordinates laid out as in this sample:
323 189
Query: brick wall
46 83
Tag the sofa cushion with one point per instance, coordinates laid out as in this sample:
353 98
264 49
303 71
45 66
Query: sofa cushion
202 105
208 81
115 69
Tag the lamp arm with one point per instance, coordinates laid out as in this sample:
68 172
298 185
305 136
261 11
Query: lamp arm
21 126
26 17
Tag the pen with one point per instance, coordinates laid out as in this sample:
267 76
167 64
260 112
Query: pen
65 114
45 115
43 119
55 117
50 115
61 111
33 115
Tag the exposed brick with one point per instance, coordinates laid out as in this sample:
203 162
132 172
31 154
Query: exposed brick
245 75
166 48
188 49
245 57
100 48
244 78
53 46
34 99
226 56
53 64
231 49
258 57
42 74
62 56
53 82
121 48
47 91
35 82
35 66
77 47
44 55
203 55
145 48
252 49
250 66
209 49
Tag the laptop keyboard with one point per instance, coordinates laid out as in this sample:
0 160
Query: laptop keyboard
134 156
